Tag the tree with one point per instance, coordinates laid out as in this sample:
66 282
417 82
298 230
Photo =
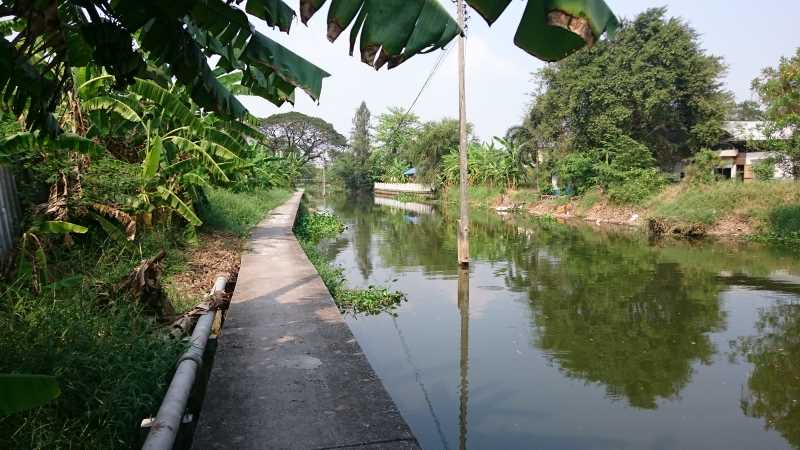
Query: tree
56 35
396 130
360 136
308 138
435 140
779 90
747 110
651 82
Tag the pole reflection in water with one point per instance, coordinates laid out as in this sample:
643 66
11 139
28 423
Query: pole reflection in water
463 392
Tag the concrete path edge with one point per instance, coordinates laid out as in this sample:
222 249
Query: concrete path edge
288 373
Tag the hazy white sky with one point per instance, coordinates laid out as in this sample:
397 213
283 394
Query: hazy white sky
748 35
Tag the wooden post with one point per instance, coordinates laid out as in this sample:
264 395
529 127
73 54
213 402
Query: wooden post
323 177
463 223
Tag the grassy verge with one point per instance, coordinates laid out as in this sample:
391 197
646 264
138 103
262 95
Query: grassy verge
113 361
766 210
309 229
708 204
238 212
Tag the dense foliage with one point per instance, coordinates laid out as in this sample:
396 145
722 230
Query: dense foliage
615 116
135 172
779 89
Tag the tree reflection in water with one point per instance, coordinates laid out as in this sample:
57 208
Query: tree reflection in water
612 309
773 388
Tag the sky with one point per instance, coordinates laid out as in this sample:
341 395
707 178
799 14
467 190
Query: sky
747 35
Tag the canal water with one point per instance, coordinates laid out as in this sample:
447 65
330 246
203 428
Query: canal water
573 337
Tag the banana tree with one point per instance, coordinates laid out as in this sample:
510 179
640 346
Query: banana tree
43 41
183 150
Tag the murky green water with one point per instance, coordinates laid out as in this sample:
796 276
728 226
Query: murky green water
566 337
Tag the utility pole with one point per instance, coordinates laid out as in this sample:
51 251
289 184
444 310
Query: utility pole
463 222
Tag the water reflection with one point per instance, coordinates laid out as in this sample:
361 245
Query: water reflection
582 338
463 390
772 392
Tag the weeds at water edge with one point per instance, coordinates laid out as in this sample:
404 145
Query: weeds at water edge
310 228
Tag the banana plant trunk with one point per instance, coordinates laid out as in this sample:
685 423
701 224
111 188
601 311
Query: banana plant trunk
463 223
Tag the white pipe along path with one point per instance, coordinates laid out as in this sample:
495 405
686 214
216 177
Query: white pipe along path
164 429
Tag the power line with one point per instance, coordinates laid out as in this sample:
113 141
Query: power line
430 77
406 114
418 377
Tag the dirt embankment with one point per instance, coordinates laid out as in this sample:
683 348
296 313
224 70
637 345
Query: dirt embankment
601 211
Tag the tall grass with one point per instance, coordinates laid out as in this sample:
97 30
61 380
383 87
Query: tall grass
238 212
112 360
709 203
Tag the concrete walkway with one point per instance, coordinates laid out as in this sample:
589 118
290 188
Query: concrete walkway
288 373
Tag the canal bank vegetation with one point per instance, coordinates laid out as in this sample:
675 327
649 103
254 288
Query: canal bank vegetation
628 132
127 217
313 226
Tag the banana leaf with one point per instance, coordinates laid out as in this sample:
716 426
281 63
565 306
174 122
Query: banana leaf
61 227
179 206
105 103
396 30
23 392
152 159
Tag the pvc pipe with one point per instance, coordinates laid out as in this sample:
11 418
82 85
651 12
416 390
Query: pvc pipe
164 429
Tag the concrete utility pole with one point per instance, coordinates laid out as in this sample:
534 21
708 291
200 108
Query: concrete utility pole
463 222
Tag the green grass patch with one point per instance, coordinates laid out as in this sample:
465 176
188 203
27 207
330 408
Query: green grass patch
707 204
238 212
310 228
112 361
478 195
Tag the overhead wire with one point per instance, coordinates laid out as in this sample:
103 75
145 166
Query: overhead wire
405 118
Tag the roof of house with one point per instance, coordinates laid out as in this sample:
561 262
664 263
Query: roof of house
754 130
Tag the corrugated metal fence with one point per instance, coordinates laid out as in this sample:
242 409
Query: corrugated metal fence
9 214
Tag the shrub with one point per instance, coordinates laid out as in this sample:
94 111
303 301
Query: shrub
702 169
578 171
764 169
628 173
637 185
784 221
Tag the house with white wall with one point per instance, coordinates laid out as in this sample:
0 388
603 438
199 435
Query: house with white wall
740 148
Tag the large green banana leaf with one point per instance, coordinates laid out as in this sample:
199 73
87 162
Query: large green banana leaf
23 392
123 36
394 30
